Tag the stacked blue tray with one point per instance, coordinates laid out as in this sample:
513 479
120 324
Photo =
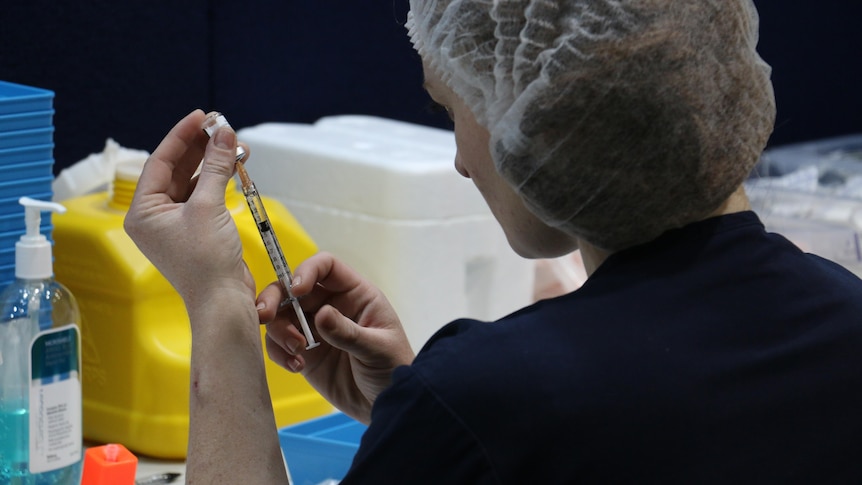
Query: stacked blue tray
320 450
26 163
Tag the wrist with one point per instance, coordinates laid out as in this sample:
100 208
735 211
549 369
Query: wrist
221 304
225 291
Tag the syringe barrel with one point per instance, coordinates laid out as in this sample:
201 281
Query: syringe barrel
270 241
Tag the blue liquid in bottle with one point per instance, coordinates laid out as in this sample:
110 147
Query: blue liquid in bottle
13 449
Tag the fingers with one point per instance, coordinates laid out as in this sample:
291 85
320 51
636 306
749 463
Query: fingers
171 165
314 282
338 330
321 283
334 297
284 341
329 272
218 166
269 300
170 169
333 327
278 353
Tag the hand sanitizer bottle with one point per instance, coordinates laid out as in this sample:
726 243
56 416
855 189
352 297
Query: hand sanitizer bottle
40 384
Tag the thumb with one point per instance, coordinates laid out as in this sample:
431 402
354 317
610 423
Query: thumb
339 331
218 165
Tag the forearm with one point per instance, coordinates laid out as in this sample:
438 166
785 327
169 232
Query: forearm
232 431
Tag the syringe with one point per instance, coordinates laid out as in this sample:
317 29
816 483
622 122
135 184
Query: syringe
273 248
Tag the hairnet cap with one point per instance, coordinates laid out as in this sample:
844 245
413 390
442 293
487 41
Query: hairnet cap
615 120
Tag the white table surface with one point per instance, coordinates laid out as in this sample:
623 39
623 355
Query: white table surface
152 466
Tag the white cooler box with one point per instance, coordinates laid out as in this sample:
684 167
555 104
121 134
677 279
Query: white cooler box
384 196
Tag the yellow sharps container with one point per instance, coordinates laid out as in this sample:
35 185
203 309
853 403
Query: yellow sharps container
136 342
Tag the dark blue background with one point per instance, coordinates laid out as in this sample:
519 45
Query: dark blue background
129 70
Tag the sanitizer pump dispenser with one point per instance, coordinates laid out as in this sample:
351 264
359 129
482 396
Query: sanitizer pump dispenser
40 384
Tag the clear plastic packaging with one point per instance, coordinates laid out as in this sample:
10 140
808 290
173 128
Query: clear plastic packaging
811 193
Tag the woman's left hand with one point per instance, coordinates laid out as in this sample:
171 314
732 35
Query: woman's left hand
179 220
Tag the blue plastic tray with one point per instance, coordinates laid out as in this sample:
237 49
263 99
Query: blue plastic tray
31 153
320 449
28 187
7 258
24 138
27 170
7 276
18 98
26 121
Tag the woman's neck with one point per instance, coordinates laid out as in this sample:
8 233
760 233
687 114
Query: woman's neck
593 256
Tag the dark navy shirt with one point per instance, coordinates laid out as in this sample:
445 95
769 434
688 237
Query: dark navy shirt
717 353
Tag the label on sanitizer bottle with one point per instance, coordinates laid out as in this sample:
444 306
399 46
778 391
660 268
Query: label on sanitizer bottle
55 399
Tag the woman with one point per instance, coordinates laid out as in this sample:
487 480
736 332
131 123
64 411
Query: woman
701 349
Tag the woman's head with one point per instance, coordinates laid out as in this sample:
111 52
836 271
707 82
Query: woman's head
613 120
528 235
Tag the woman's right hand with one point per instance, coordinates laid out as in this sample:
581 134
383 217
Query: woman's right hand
362 338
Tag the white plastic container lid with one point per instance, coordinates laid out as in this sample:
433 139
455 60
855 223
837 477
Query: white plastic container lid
370 168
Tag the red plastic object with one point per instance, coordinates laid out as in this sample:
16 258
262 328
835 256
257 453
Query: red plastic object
109 464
